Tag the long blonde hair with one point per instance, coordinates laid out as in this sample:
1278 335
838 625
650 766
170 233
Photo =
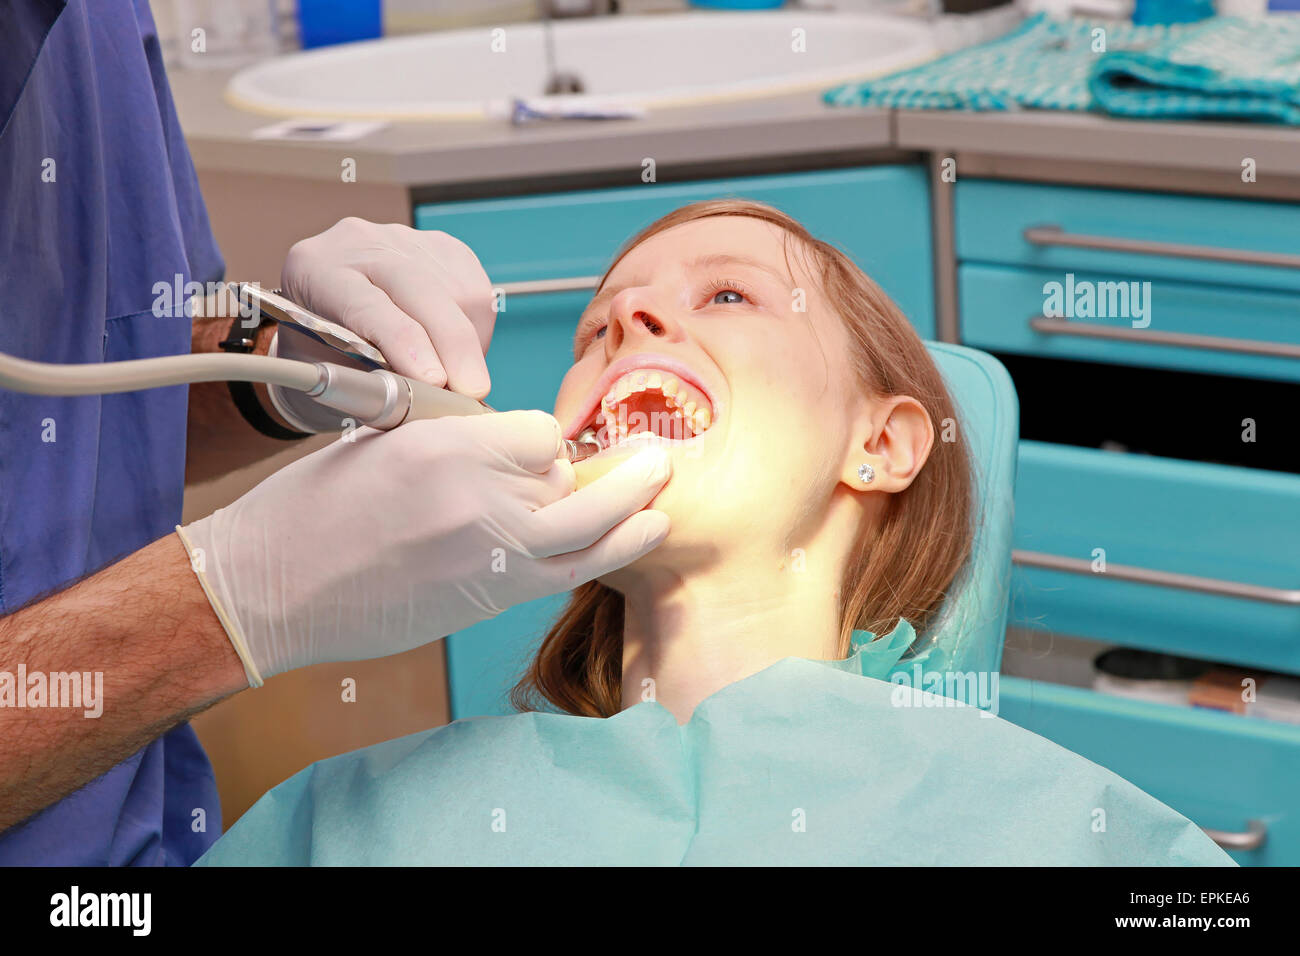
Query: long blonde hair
901 567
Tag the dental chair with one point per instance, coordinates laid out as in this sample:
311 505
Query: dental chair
485 661
973 623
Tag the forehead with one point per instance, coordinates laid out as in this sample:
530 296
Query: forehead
716 235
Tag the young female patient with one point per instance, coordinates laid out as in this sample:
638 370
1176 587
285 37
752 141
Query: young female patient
712 704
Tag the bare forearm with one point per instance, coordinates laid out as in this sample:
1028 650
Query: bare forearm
148 653
219 439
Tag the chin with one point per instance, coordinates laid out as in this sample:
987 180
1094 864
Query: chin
689 548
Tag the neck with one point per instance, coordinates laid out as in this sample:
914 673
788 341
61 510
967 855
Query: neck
693 636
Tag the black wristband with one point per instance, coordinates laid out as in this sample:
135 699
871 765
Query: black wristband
244 395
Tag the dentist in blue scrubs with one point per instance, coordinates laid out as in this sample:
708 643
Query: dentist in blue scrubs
98 204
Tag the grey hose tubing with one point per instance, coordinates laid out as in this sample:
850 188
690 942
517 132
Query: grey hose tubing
378 397
52 378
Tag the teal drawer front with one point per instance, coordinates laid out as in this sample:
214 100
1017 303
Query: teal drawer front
1218 770
1212 521
997 303
880 215
992 216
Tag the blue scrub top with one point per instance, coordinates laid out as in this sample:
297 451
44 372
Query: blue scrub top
98 203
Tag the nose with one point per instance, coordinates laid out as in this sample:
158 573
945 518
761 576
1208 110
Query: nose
632 316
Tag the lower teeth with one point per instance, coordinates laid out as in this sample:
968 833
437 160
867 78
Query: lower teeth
611 435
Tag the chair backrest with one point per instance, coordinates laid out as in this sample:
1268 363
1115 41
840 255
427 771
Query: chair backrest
973 621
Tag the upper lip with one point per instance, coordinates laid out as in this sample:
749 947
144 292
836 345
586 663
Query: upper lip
647 360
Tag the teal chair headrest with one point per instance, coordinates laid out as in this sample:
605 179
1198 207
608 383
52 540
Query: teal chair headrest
972 623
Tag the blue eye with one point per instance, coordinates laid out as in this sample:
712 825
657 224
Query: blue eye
724 291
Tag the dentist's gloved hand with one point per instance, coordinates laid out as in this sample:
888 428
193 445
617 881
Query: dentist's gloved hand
379 545
421 297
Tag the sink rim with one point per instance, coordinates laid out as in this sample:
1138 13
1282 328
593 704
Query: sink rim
240 90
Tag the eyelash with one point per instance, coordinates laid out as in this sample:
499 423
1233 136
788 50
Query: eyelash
587 333
590 329
715 286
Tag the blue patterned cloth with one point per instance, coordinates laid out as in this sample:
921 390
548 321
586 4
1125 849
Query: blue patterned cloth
1222 67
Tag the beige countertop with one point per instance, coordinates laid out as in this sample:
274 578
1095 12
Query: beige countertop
464 151
797 127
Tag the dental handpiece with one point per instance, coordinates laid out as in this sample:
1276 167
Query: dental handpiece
419 399
428 401
379 398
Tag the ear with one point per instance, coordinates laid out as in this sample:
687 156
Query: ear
894 437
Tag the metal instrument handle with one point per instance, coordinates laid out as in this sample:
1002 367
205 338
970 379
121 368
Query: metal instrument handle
1053 235
542 286
1218 343
274 305
1167 579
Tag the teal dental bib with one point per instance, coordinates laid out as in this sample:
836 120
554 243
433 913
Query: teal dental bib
805 763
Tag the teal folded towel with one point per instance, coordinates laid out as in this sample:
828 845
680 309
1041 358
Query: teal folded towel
1222 67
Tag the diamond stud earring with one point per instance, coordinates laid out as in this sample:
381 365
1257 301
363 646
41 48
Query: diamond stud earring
866 473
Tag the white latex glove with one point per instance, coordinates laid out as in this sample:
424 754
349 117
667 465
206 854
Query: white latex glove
379 545
421 297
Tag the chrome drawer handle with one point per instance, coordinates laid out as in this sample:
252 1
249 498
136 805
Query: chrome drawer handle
1167 579
1255 836
1218 343
541 286
1049 235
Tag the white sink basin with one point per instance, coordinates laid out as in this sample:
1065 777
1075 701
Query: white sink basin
645 61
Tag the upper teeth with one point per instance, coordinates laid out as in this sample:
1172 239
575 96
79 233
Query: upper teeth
688 406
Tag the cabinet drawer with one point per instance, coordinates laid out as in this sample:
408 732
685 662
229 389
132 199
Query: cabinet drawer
1154 235
880 215
1216 523
1219 770
1001 306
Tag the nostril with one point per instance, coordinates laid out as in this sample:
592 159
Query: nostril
653 327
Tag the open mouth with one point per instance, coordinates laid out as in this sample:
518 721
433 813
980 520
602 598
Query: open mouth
648 403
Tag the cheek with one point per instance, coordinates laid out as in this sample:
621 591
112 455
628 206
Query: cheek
782 443
573 389
775 416
788 355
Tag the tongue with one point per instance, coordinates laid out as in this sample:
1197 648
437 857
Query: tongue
648 411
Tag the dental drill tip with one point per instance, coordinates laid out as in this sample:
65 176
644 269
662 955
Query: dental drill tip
579 450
